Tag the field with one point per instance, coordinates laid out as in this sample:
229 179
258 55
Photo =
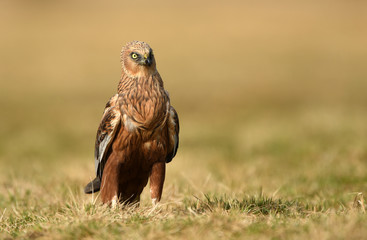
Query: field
272 103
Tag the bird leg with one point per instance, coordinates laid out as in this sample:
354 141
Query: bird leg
109 185
156 181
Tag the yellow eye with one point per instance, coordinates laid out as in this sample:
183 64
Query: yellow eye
134 55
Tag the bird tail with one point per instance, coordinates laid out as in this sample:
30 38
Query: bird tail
93 186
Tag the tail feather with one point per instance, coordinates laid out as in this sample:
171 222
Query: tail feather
93 186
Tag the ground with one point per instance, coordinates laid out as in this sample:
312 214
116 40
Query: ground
272 103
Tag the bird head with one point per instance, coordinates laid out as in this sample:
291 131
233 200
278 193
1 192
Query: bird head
137 59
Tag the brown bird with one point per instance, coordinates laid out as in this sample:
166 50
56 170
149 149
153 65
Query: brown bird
138 133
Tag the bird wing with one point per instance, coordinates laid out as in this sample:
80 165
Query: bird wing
105 134
173 131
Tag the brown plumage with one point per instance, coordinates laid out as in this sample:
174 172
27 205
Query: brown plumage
138 133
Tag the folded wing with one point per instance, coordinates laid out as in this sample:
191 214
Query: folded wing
173 131
105 134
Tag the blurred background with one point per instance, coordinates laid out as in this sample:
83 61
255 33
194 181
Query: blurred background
270 94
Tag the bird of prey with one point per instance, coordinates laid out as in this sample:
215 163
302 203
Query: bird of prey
138 133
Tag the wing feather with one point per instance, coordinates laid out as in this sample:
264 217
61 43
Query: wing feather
173 131
105 134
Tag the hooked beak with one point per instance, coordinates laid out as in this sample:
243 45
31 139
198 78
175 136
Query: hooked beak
147 59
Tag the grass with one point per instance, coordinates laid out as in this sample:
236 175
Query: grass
272 105
209 217
297 184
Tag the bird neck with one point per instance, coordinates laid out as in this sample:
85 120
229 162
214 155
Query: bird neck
147 82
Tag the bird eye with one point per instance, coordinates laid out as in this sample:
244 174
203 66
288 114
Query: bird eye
134 56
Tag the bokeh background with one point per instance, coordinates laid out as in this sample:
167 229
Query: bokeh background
270 94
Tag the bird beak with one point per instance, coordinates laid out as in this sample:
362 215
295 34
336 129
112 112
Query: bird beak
147 59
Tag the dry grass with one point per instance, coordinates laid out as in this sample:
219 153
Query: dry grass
272 103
